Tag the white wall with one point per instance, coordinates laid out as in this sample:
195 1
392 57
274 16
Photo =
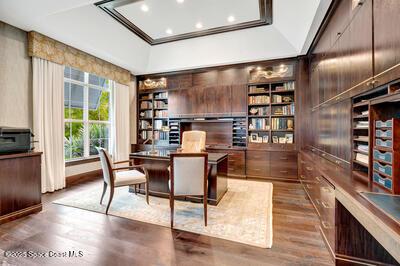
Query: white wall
15 78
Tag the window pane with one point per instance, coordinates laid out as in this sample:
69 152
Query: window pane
98 81
67 100
77 75
67 139
73 140
99 105
76 101
99 135
67 72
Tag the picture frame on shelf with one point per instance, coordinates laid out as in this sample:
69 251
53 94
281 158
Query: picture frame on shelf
275 139
289 138
265 139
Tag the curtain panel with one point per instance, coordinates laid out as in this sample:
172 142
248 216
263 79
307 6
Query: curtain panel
120 132
48 121
49 49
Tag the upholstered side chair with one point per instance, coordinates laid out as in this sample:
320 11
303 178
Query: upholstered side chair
188 177
121 176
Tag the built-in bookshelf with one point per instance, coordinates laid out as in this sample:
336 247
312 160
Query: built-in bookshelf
153 117
271 112
361 137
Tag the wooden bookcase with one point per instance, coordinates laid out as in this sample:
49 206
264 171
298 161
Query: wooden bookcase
153 117
271 112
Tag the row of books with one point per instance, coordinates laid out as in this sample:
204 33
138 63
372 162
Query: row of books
160 135
160 104
259 124
285 86
146 134
146 105
265 110
276 98
259 99
159 124
284 110
161 113
282 123
255 89
146 114
144 124
161 95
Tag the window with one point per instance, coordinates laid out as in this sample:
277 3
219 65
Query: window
87 113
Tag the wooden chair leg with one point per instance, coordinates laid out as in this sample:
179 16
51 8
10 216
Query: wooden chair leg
111 197
205 210
171 204
104 192
146 187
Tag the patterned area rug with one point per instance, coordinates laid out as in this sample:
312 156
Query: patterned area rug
243 215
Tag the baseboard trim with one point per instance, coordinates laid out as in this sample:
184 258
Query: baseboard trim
21 213
345 260
83 177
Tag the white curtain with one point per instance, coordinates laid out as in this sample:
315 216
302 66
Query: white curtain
48 121
120 123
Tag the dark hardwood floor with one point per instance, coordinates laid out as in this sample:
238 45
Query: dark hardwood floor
109 240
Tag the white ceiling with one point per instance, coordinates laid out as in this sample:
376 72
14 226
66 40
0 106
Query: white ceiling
82 25
182 17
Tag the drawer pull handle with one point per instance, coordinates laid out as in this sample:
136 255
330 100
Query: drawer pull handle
309 168
318 201
318 178
231 169
257 157
283 158
325 205
283 172
256 169
302 177
324 154
326 224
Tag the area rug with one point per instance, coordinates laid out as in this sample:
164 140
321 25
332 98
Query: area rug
243 215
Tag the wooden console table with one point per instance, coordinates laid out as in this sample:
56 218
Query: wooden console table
20 185
157 166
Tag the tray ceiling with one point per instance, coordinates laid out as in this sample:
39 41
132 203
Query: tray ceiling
161 21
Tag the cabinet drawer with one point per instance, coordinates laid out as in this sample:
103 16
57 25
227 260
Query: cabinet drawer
383 156
283 157
380 124
384 133
284 169
384 143
382 180
254 169
385 169
257 155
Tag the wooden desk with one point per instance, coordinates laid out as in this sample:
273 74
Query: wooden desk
20 185
157 166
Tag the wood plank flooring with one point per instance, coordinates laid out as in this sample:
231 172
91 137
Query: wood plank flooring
108 240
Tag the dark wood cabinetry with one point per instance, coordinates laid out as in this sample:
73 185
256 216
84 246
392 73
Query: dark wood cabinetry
20 185
386 40
236 161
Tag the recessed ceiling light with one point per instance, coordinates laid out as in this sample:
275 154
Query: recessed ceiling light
169 31
144 8
180 1
231 19
199 25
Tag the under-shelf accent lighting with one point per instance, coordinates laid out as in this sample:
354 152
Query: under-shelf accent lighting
199 25
169 31
231 19
144 8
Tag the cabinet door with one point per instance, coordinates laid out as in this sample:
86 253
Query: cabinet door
361 44
386 37
238 99
197 101
218 100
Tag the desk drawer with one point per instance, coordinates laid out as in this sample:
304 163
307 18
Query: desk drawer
257 155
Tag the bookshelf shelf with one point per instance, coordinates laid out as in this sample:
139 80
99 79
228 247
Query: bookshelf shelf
271 105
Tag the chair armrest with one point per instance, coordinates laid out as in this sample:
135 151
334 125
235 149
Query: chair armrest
128 167
126 161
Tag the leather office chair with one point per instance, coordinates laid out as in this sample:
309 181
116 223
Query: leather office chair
193 141
188 177
115 177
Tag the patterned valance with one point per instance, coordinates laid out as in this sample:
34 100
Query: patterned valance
46 48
